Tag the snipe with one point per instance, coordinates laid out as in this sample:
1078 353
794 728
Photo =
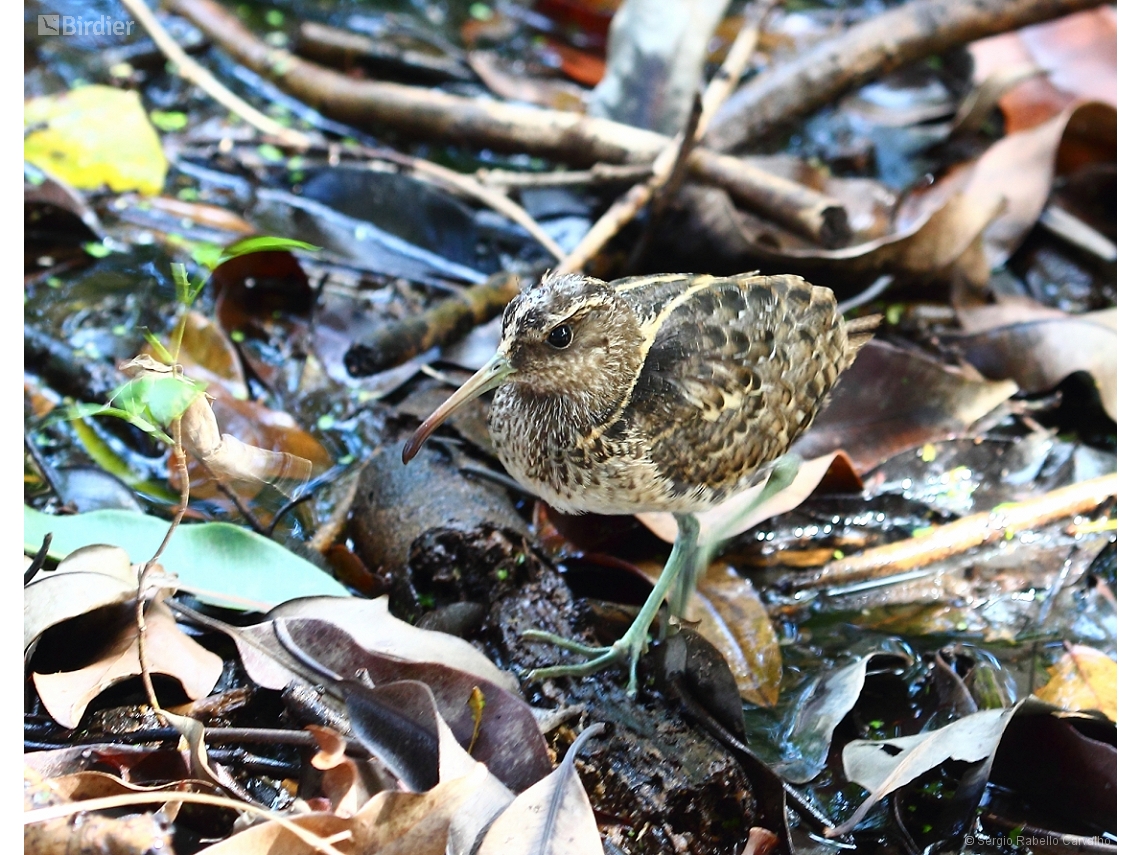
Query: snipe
656 393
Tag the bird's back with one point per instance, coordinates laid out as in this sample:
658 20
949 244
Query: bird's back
735 369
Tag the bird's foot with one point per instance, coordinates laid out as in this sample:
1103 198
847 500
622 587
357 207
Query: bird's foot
625 648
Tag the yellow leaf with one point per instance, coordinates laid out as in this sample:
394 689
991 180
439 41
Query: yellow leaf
1082 679
95 136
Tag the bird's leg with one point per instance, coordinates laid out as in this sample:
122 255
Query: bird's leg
783 473
680 572
631 645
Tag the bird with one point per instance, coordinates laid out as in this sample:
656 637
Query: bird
666 392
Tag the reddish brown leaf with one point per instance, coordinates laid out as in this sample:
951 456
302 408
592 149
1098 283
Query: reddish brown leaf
892 399
1078 52
1039 354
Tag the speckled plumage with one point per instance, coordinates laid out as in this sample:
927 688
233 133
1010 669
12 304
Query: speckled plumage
656 393
675 392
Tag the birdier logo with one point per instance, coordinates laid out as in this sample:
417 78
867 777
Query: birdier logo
77 25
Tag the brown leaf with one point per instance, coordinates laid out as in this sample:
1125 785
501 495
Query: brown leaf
140 834
1083 679
391 823
553 817
730 615
208 354
1020 168
728 612
260 285
927 246
892 399
1078 52
1039 354
509 741
66 694
377 630
248 445
87 579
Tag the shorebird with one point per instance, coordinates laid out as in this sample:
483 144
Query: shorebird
656 393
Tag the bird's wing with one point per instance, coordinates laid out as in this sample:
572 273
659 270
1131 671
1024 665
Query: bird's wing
735 369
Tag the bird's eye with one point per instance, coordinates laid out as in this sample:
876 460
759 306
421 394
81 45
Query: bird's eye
560 336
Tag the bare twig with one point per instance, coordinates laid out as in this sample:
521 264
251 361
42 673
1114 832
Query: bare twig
599 173
445 321
202 78
634 199
956 537
569 137
140 600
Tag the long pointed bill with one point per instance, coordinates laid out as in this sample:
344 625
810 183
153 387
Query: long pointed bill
489 377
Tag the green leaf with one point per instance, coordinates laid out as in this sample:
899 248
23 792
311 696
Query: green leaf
169 397
109 460
262 243
163 398
168 121
221 563
95 136
136 418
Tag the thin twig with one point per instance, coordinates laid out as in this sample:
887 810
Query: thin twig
599 173
634 199
203 79
467 185
140 602
955 538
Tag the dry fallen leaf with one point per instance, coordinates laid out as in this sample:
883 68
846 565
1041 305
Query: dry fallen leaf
553 817
1078 52
87 579
1020 168
1040 353
66 694
892 399
376 629
391 823
1083 679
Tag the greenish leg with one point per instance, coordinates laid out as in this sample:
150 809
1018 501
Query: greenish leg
631 645
681 571
783 473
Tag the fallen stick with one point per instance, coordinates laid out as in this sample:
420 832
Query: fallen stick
558 135
453 317
669 165
955 538
869 50
446 321
191 70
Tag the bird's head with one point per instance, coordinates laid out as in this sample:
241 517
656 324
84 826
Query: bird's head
569 337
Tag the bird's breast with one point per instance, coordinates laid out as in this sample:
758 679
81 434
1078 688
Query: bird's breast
561 456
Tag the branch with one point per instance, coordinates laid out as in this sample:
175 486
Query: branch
944 541
478 122
204 80
869 50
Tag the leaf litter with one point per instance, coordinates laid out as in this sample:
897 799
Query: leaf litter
983 372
